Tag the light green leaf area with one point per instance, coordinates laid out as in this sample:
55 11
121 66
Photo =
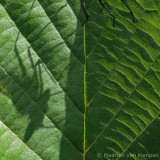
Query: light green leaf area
73 93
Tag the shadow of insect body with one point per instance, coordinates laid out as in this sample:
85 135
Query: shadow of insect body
39 97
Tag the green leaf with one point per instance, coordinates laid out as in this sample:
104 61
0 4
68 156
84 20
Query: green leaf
73 93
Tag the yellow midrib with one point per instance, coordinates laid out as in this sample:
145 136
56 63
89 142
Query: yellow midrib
85 96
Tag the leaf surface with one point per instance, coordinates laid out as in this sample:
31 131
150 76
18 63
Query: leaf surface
68 92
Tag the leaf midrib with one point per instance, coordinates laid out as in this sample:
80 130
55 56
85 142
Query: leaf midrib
85 95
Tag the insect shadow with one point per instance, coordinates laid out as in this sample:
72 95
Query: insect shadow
39 93
114 19
41 96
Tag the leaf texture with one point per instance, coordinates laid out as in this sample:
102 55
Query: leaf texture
73 93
